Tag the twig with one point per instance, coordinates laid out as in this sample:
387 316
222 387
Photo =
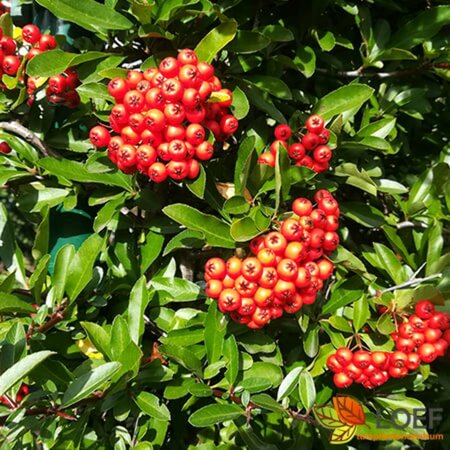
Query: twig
409 224
409 283
378 75
29 136
56 317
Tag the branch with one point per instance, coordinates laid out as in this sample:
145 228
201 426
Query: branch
56 317
409 224
377 75
409 283
30 137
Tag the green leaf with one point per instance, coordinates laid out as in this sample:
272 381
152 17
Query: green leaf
215 329
390 263
63 262
175 289
435 246
21 369
149 404
216 232
212 414
360 313
55 62
35 196
381 128
231 353
98 336
13 346
88 14
83 386
240 105
197 186
277 33
274 86
185 239
325 39
216 40
95 91
248 42
311 342
289 383
75 171
267 402
385 324
139 299
12 304
243 230
391 186
305 61
236 205
306 390
264 371
168 8
345 98
363 214
150 250
242 167
183 356
346 293
80 272
424 26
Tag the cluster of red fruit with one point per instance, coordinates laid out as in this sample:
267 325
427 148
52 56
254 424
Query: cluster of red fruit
23 392
60 89
422 337
285 270
313 141
161 116
11 51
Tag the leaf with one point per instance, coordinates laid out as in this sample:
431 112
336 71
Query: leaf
139 299
240 105
267 402
236 205
424 26
185 239
381 128
174 289
88 14
215 40
150 250
243 230
343 99
289 383
277 33
215 329
216 232
305 60
13 346
327 416
99 337
183 356
311 342
242 167
168 8
231 353
80 271
21 369
12 304
83 386
94 91
197 186
75 171
345 294
385 324
349 410
306 389
150 405
213 414
325 39
35 196
361 313
248 42
390 263
343 434
274 86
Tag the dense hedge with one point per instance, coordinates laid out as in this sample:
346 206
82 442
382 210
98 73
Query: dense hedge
104 313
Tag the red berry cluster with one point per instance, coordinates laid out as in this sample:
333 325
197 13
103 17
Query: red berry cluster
285 268
14 55
23 392
5 148
422 337
11 51
161 116
313 142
